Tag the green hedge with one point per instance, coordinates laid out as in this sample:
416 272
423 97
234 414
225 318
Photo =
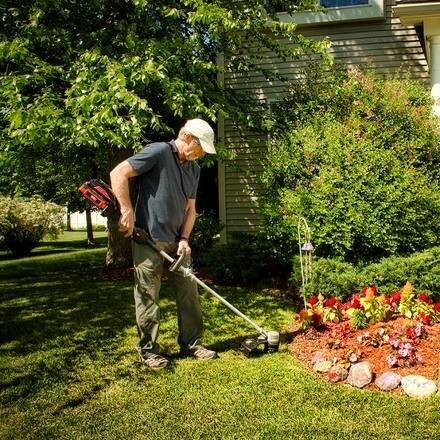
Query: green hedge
334 277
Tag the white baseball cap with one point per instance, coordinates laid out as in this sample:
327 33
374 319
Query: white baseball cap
202 131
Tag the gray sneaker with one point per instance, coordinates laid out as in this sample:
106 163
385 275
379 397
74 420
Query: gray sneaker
199 352
153 360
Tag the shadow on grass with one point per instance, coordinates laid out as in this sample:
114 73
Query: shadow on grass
57 247
58 311
55 312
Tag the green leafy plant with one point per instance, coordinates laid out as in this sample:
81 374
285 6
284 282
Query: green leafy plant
374 305
24 222
389 274
206 229
358 156
358 319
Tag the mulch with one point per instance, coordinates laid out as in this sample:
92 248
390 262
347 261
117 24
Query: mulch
307 342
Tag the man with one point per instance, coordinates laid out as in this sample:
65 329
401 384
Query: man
166 207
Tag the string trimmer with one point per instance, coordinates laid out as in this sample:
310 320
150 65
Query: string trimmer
102 197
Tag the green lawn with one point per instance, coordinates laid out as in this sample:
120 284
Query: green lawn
69 369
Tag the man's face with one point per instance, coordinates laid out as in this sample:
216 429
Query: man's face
192 150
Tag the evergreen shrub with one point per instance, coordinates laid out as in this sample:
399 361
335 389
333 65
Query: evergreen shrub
332 276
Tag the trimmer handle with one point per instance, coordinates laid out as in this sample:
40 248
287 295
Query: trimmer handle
102 197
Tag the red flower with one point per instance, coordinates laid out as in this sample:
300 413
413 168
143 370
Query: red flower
317 319
426 319
396 296
423 297
313 300
437 307
303 315
410 333
330 302
355 303
369 291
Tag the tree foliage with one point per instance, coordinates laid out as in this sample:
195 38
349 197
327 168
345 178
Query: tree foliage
360 160
85 83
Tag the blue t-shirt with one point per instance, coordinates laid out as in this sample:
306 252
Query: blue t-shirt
165 185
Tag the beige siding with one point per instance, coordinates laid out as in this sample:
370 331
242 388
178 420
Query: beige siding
384 44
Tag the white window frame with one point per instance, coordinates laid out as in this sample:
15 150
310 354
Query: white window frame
373 10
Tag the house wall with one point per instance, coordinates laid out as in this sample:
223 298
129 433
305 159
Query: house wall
383 43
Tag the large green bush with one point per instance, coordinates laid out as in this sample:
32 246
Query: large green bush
358 156
24 222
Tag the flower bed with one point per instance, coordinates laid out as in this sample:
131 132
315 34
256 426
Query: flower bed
398 332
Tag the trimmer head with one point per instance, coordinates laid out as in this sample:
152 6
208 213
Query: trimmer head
265 343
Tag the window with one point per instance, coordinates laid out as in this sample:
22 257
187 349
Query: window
342 3
339 10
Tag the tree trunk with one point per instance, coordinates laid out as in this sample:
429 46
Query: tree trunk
68 225
119 249
90 238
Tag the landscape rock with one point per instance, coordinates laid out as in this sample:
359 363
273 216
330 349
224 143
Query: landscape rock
418 386
318 357
360 374
388 381
353 358
337 374
322 366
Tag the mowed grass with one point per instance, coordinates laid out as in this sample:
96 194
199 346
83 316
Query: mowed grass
69 368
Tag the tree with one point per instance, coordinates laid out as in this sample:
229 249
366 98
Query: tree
85 83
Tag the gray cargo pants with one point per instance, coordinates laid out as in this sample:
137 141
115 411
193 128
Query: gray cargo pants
148 270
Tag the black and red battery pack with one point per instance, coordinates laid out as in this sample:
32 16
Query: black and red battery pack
100 195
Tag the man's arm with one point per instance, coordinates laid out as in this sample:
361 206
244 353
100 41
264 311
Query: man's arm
188 224
119 182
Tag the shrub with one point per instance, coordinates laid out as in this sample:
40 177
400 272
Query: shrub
335 277
363 167
245 260
421 269
24 222
331 276
206 228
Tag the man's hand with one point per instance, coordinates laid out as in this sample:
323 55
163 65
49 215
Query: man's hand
126 222
183 247
119 179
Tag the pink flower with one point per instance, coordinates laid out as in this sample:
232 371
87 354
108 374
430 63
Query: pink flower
392 360
394 342
420 329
